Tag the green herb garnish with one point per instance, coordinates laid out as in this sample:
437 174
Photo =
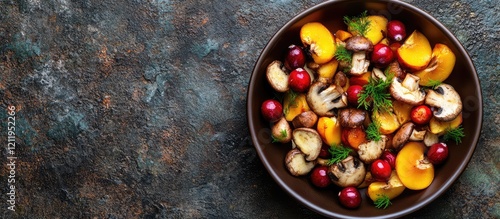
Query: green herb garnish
433 84
338 153
382 201
376 94
359 25
373 131
344 55
454 134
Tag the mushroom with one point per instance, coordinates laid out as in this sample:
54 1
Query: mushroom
402 135
407 90
296 163
281 131
430 139
305 119
340 79
372 150
348 172
395 68
360 46
378 74
277 76
323 98
417 135
352 117
445 101
308 141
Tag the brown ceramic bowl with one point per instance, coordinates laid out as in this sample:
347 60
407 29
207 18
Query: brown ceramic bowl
325 202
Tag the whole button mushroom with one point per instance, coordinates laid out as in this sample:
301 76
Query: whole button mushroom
360 46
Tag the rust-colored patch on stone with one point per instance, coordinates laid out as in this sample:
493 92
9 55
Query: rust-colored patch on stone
106 60
106 101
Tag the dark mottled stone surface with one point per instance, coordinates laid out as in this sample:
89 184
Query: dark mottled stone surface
131 109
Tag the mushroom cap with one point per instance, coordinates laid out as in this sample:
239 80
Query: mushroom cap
281 131
349 172
445 101
372 150
323 98
305 119
296 163
352 118
408 90
403 135
308 141
277 76
359 43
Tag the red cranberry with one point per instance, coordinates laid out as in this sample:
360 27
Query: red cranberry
421 115
396 30
381 170
352 94
299 80
350 197
390 158
382 55
271 110
437 153
319 177
295 58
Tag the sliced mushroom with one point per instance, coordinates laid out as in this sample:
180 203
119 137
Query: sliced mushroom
305 119
277 76
281 131
445 101
378 74
308 141
408 90
324 98
360 45
349 172
296 163
417 135
430 139
402 135
352 117
372 150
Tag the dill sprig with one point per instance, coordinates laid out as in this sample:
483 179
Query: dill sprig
433 84
454 134
359 24
376 94
382 201
345 56
338 153
373 131
342 54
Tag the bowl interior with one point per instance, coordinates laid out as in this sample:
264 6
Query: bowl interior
463 78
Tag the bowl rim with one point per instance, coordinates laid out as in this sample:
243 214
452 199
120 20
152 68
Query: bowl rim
446 185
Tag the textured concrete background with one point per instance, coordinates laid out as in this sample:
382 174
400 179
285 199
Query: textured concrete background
133 108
